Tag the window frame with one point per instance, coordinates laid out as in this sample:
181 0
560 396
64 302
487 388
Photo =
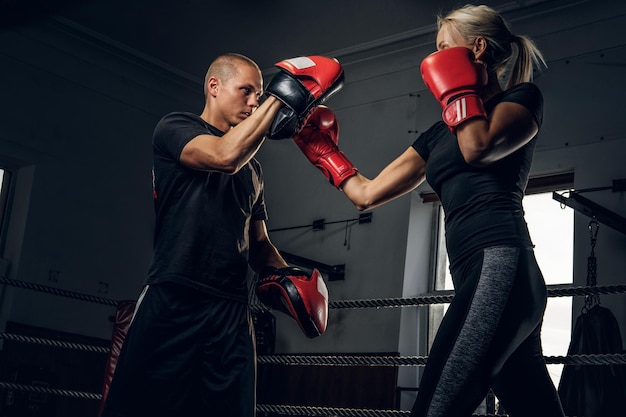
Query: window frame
6 196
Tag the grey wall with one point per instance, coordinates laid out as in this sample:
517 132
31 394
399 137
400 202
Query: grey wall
76 117
76 123
383 107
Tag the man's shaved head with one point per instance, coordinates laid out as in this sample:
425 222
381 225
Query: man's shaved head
226 66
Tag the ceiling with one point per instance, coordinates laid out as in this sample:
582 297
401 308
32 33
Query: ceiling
185 35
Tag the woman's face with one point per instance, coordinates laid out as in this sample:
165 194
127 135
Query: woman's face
449 37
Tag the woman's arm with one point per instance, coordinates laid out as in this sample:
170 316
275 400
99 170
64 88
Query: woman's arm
484 141
401 176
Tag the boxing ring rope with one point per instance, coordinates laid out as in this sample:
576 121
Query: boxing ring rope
339 412
336 360
313 360
331 411
50 391
447 296
53 343
347 360
558 290
57 291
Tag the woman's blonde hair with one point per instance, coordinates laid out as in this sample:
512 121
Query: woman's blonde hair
511 57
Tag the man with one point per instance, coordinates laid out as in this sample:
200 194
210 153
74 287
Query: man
190 348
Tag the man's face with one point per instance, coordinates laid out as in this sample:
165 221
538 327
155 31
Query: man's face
238 96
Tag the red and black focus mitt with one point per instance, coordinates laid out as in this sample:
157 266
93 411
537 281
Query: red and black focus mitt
298 294
301 84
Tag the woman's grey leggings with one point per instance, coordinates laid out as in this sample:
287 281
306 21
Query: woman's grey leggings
490 338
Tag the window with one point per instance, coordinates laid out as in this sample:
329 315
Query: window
552 231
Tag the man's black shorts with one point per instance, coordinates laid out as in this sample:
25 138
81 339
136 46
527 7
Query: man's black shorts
187 353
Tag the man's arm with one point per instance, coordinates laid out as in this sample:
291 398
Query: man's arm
234 150
295 292
263 253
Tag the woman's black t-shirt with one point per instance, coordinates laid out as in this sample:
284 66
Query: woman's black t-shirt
482 206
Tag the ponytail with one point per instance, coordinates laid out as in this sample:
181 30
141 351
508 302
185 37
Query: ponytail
528 58
511 57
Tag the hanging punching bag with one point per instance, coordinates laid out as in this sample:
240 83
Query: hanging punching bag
594 390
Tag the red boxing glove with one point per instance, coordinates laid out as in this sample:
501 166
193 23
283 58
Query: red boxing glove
318 142
303 83
455 79
297 294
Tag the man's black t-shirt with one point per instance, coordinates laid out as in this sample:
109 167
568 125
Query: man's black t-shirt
483 206
202 217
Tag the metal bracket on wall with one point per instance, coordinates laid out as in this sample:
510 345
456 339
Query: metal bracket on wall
334 272
321 224
594 210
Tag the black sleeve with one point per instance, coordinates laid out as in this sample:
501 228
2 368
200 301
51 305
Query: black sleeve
259 210
529 96
173 132
427 140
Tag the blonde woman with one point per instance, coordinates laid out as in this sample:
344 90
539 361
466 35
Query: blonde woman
477 159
